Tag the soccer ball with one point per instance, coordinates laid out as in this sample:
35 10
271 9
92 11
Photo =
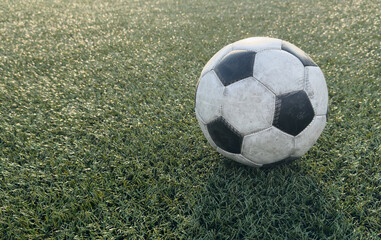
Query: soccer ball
261 101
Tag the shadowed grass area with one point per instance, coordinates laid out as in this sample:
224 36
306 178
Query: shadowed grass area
98 137
286 203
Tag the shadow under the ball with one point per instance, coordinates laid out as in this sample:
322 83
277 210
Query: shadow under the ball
279 163
239 202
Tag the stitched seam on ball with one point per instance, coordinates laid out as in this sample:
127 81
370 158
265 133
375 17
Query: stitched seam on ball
199 117
224 94
306 74
249 160
301 81
231 127
264 85
237 80
306 81
278 103
256 132
273 111
269 49
305 129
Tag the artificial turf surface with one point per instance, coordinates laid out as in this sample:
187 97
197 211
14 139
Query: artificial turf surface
98 136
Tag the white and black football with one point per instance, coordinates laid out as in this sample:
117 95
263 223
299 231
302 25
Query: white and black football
261 101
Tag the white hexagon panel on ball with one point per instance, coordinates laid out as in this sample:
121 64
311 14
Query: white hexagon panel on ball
248 106
209 97
267 146
279 70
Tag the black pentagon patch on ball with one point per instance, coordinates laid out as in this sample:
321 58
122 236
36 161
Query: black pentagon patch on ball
225 136
297 52
235 66
293 112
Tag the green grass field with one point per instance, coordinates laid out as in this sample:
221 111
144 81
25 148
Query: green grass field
98 136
